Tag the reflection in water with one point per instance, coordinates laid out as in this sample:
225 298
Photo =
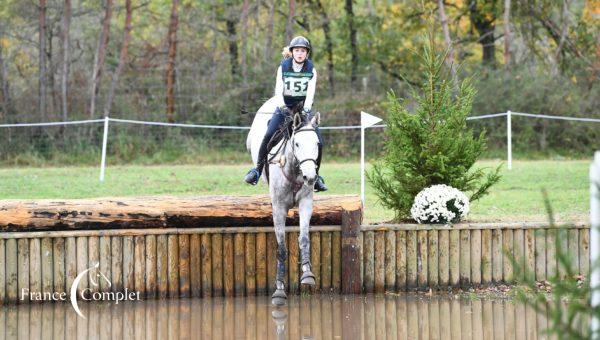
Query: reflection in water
310 317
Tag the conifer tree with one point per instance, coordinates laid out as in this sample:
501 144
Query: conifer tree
433 144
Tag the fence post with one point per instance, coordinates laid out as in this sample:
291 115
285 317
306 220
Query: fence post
104 141
351 221
509 138
595 238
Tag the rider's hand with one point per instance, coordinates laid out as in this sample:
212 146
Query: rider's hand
306 111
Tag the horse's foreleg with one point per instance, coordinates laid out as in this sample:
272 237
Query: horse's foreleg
305 207
279 297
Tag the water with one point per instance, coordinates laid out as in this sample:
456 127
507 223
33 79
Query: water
405 316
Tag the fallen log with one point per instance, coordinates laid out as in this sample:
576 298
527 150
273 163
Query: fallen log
161 212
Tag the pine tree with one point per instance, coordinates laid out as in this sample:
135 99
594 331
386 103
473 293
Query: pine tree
433 145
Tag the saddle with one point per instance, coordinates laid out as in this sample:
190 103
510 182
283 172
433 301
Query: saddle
280 137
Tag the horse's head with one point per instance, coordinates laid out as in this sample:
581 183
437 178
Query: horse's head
305 146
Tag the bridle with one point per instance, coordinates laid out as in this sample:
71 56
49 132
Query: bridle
298 162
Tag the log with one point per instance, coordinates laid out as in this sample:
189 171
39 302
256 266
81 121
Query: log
271 261
173 265
401 260
105 263
11 271
497 256
250 266
70 263
47 266
116 249
93 260
551 252
465 258
162 266
35 265
486 256
58 264
574 249
151 267
530 253
184 266
239 264
351 221
476 267
23 268
584 252
369 260
2 280
161 211
444 259
228 263
390 261
139 265
508 251
336 261
261 263
82 263
379 261
315 258
411 259
454 257
206 250
325 262
433 264
540 255
422 259
293 266
195 266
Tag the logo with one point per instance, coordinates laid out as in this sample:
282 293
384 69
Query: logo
95 275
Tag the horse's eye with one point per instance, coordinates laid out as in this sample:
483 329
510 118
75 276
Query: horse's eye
297 144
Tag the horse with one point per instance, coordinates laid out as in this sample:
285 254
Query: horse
291 176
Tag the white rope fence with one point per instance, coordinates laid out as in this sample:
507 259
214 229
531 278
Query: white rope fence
107 120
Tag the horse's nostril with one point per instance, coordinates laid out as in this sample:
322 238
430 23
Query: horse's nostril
304 177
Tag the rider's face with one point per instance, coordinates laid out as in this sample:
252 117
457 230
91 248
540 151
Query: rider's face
299 54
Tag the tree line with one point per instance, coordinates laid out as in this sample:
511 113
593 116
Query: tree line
183 60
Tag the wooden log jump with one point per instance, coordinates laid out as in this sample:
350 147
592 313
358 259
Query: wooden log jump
225 246
170 247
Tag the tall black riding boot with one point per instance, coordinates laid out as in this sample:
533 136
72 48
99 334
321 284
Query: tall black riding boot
254 174
320 183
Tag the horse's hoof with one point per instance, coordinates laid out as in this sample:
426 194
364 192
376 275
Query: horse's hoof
279 298
308 278
278 314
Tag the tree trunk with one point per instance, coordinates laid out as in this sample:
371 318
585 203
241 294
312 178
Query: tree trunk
122 58
42 61
99 56
270 29
6 100
353 47
564 32
484 24
172 38
328 44
450 56
66 25
507 35
289 28
233 48
244 42
50 69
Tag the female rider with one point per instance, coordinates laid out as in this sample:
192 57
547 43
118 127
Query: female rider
296 81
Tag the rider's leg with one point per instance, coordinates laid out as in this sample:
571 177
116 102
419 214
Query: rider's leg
320 183
254 174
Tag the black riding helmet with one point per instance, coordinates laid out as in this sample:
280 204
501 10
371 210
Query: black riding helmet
300 41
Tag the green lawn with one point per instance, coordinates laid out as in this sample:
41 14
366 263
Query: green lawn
517 197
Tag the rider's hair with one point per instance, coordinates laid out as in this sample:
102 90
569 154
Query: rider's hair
286 52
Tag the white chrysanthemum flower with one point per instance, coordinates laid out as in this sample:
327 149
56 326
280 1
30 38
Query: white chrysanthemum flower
440 204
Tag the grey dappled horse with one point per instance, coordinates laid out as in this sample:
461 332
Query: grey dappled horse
292 168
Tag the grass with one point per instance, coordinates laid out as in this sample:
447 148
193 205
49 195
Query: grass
517 197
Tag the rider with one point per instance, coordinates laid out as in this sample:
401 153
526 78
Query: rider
296 81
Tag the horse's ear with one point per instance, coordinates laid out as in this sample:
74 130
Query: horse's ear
316 119
297 121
